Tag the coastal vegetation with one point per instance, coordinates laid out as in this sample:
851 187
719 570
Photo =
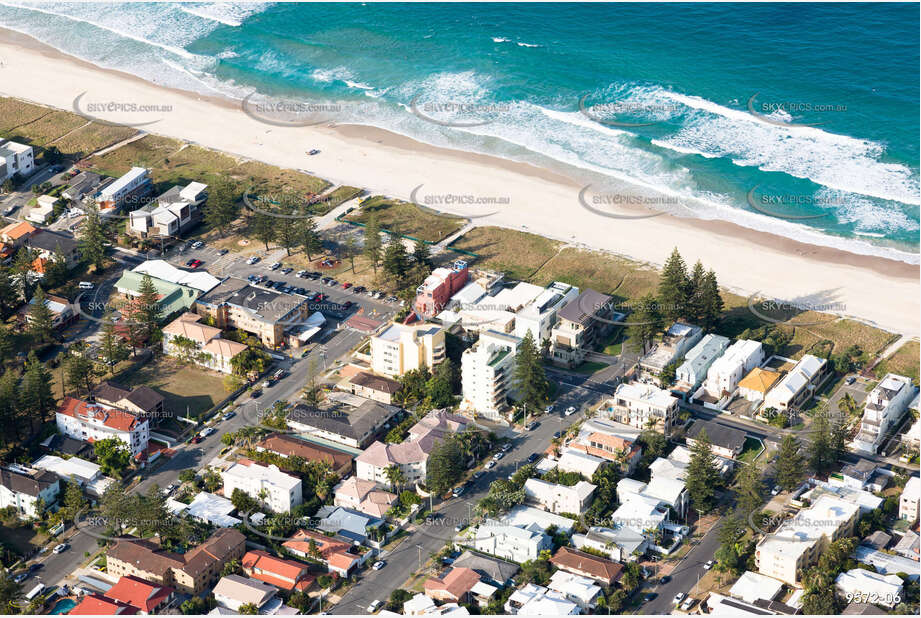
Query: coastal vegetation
407 218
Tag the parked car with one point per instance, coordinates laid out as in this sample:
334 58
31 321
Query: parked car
190 262
375 605
570 410
549 409
557 434
679 598
532 426
459 527
275 266
196 263
506 447
196 439
287 270
60 547
346 285
300 274
776 490
229 415
533 457
223 252
498 456
313 151
457 491
377 566
252 260
21 577
850 380
198 244
256 393
688 604
478 474
708 565
490 464
360 289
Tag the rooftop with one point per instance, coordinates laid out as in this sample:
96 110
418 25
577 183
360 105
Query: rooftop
719 435
347 421
583 308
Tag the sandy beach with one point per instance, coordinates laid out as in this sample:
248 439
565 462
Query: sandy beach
876 290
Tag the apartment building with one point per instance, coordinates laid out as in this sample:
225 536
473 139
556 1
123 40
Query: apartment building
433 295
582 323
170 214
539 316
73 469
662 487
90 422
642 406
353 422
400 348
191 573
515 543
267 314
693 371
726 371
884 408
15 158
186 338
910 499
798 542
129 188
560 498
411 455
488 374
267 484
364 496
146 598
799 385
23 489
679 339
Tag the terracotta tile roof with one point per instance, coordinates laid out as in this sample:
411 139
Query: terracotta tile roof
139 593
149 557
187 326
759 379
582 563
290 446
15 231
97 605
110 417
224 348
276 571
456 583
334 553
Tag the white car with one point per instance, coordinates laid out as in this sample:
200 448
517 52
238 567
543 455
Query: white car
776 490
377 566
207 431
198 244
300 274
252 260
709 565
498 456
60 548
548 409
688 604
375 605
679 597
506 447
490 464
570 410
275 266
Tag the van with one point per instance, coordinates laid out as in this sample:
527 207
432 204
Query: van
86 285
35 591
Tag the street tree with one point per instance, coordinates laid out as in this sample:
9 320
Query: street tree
373 243
703 476
93 239
220 209
41 319
790 463
533 386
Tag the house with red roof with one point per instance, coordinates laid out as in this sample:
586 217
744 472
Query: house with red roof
142 595
332 553
98 605
285 574
90 422
454 586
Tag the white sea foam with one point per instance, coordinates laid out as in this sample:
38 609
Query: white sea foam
499 39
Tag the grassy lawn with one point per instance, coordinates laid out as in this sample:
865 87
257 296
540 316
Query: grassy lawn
14 113
407 218
589 368
519 254
21 539
751 450
905 362
184 387
605 273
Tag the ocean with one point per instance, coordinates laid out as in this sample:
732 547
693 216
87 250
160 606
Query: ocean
799 119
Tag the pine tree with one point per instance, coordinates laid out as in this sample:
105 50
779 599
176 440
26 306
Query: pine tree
533 386
35 392
645 322
93 240
445 466
696 292
263 227
309 238
111 346
820 450
350 249
790 463
78 367
421 254
9 295
673 287
288 235
148 303
373 241
9 407
712 307
703 477
749 489
396 262
221 207
41 320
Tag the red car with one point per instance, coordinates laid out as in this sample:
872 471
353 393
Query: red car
346 286
195 264
196 439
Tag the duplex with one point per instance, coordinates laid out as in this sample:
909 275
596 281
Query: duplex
798 386
171 214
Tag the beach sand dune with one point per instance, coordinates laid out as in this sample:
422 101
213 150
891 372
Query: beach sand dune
876 290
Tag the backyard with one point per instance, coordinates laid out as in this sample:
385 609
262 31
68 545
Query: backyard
186 388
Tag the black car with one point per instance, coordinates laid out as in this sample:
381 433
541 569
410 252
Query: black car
533 457
665 579
649 597
299 290
359 289
223 252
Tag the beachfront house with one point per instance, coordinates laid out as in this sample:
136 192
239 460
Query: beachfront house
885 406
799 385
170 214
15 158
582 322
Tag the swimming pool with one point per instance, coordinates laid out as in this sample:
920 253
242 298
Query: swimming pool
63 606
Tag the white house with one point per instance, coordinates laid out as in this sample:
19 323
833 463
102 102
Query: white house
870 587
539 316
235 591
91 422
574 460
514 543
15 158
620 544
267 484
677 341
726 371
85 473
582 591
798 386
697 361
24 488
661 487
534 600
910 498
560 498
488 374
133 184
170 214
752 586
885 406
640 405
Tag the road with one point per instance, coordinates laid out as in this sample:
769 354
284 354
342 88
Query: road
435 534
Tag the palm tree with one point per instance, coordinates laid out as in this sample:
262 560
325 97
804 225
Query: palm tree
395 476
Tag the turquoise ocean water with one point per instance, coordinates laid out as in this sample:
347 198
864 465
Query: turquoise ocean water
835 88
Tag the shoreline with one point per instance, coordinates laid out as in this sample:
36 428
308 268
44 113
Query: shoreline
389 163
